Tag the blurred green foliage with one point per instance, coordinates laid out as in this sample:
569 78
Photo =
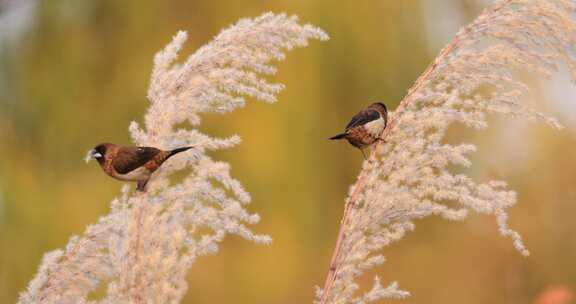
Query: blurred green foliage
80 76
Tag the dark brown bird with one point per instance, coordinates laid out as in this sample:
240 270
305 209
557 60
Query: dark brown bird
365 128
131 163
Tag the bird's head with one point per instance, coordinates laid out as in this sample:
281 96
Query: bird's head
98 153
379 106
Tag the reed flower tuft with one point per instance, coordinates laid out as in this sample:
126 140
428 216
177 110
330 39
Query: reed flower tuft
411 175
143 248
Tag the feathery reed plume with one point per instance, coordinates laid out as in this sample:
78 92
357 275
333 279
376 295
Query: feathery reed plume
144 247
408 177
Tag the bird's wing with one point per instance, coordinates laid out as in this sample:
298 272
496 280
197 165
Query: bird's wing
131 158
363 117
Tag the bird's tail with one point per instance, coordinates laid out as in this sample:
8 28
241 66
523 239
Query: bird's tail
339 136
178 150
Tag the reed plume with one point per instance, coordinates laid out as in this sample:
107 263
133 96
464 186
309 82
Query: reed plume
143 249
408 175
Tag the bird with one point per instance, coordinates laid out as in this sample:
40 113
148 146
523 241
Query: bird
365 128
131 163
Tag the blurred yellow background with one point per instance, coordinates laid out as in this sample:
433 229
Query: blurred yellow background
74 73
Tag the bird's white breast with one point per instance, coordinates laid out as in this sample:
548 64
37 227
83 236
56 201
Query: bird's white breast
375 127
135 175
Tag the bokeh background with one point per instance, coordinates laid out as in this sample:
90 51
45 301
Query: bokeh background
74 73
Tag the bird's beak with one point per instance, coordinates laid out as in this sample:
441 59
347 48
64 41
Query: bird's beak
92 154
95 154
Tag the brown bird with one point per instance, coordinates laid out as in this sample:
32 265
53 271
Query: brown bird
131 163
365 128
